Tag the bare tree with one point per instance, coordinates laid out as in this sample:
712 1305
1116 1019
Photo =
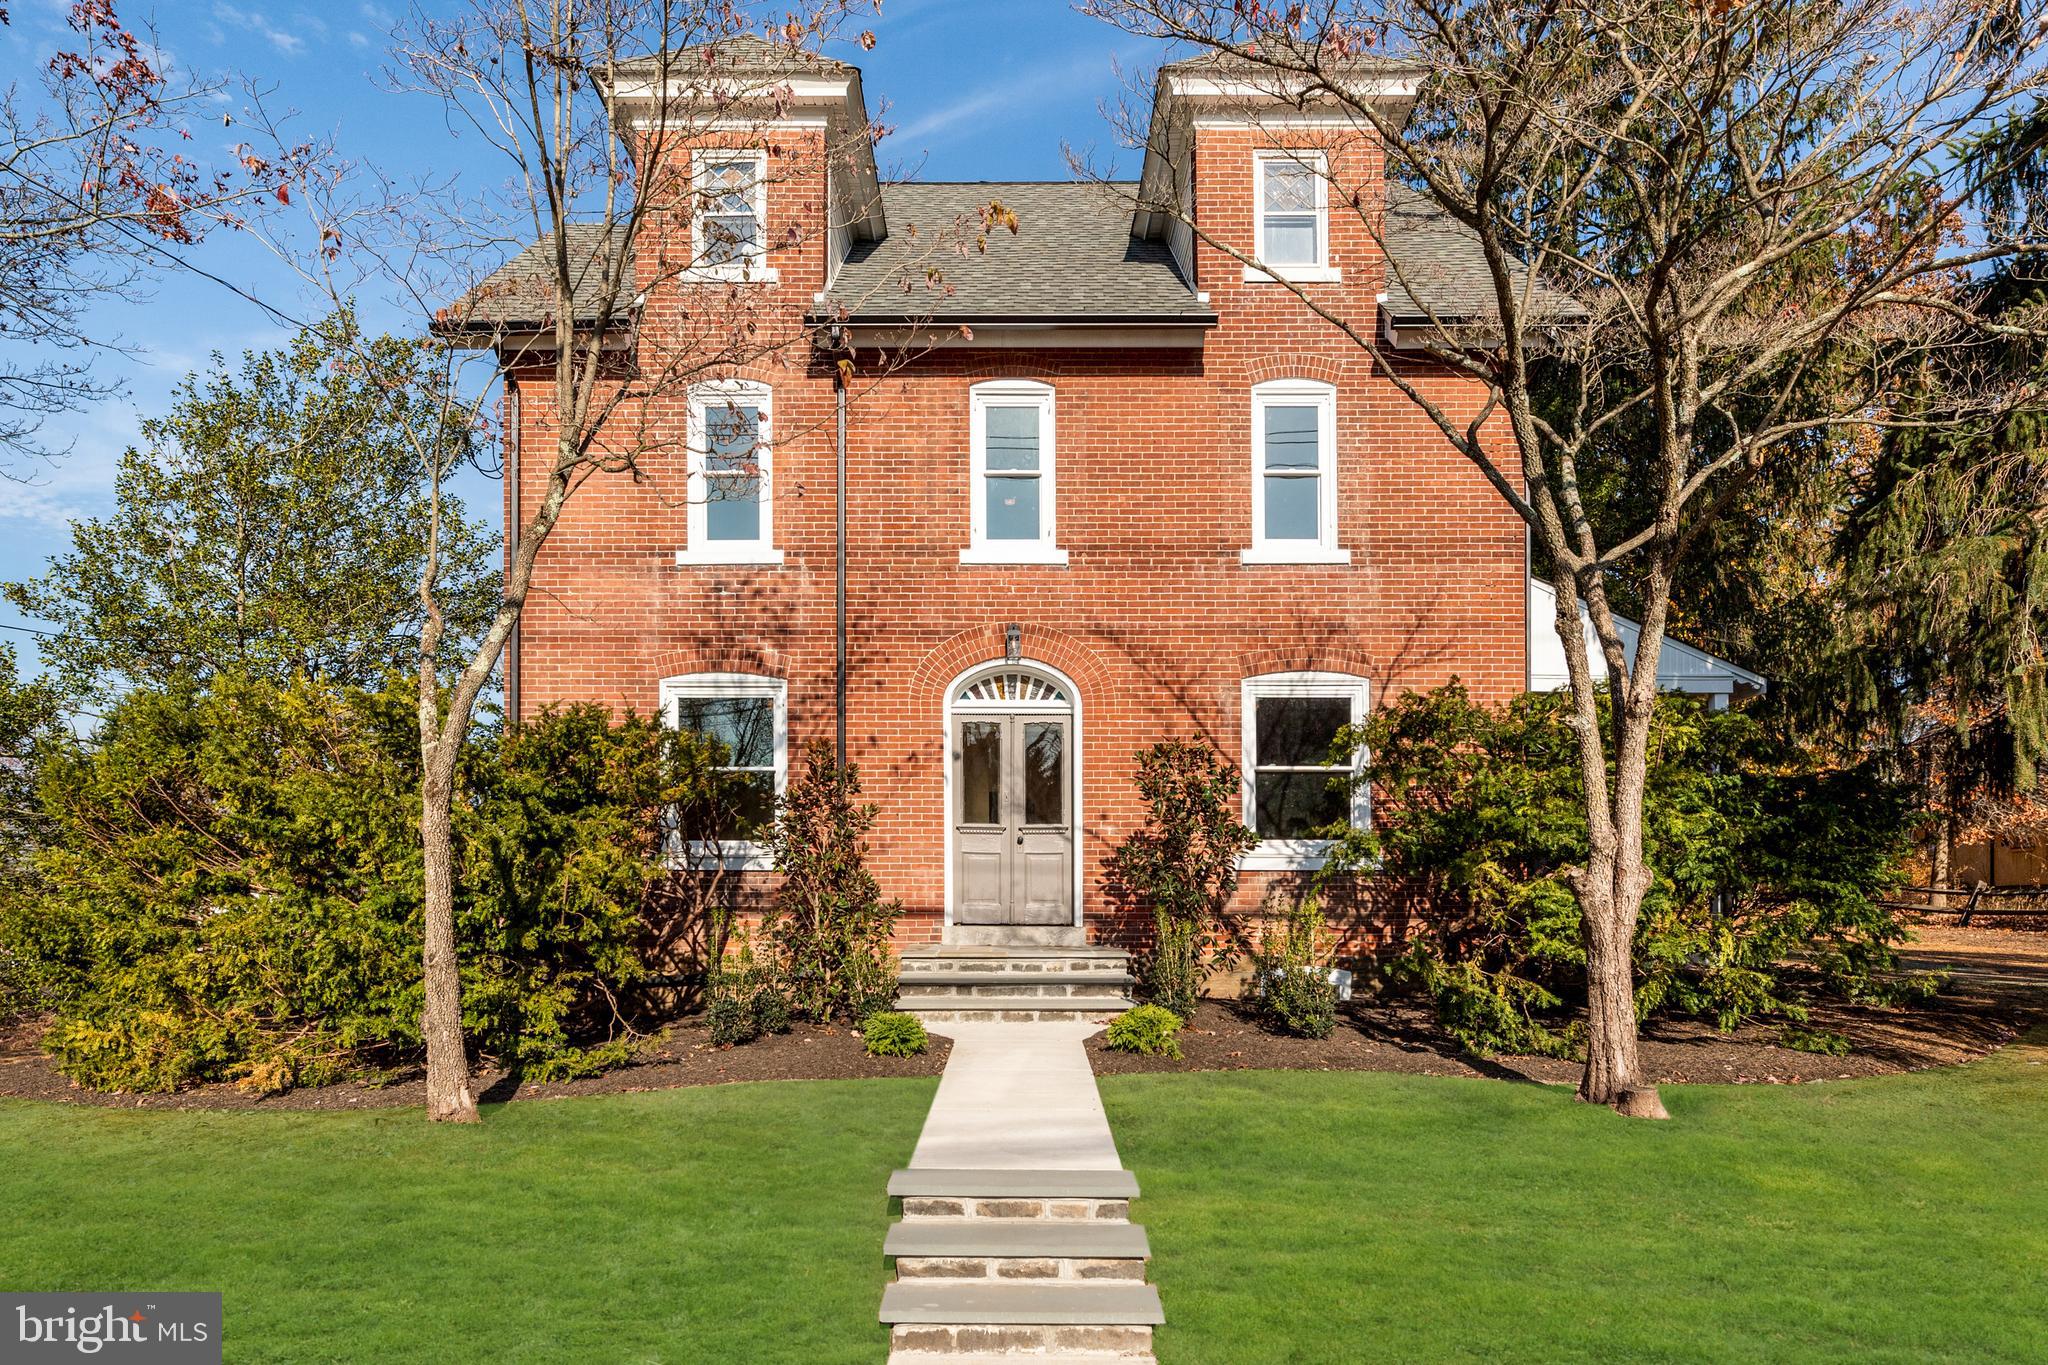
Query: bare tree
102 183
1717 234
634 275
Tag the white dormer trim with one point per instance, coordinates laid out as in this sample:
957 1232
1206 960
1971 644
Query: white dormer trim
1290 89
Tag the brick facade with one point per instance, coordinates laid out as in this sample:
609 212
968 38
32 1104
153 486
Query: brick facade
1154 619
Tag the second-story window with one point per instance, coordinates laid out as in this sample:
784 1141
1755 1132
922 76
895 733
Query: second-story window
1291 214
1294 474
1012 475
732 207
731 507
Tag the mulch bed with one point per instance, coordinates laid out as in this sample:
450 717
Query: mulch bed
682 1056
1999 989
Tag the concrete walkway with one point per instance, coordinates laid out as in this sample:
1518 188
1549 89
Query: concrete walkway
1017 1096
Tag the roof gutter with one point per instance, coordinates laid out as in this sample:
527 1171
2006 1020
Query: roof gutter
1018 321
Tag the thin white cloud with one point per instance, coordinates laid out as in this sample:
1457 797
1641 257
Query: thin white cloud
941 120
284 40
1048 80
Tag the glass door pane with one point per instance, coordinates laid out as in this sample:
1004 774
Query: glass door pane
981 772
1045 772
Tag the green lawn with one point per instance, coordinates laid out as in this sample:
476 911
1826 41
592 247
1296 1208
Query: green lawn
1328 1217
1294 1217
734 1223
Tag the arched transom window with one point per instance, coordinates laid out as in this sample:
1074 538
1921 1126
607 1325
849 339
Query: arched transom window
1008 688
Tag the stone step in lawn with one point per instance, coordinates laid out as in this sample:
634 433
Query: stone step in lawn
1041 1306
915 1357
1054 1196
932 1193
1017 1249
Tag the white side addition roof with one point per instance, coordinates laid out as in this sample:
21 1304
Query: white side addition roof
1680 667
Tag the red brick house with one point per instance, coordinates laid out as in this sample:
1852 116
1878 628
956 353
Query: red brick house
1133 489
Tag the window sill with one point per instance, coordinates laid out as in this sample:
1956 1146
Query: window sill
712 274
1306 554
1286 855
1022 553
711 557
1293 274
738 856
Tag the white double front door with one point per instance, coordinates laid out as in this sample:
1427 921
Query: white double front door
1013 830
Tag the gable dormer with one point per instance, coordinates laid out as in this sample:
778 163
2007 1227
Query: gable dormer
1245 164
770 163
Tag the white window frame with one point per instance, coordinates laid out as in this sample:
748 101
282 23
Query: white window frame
1296 855
1321 271
751 266
1013 393
1323 549
700 549
734 855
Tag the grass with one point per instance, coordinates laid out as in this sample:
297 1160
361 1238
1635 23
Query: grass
1331 1217
723 1223
1294 1217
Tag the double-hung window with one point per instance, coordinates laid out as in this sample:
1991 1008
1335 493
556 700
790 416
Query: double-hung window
745 718
731 485
1012 475
1298 787
731 215
1291 212
1294 474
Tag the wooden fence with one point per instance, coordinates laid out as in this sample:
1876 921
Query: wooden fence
1979 902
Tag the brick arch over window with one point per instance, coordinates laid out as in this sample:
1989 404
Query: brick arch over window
982 365
1322 368
1254 663
768 375
985 644
767 663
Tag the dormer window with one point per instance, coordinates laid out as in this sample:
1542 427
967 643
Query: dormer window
732 209
1293 218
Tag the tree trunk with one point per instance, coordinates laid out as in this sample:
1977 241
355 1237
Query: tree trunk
448 1095
1944 857
1610 900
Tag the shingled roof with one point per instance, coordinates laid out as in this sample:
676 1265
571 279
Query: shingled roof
743 54
520 294
1437 269
1072 259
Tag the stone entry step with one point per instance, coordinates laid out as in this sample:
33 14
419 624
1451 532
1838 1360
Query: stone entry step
1015 985
1007 961
968 984
948 1009
1044 1304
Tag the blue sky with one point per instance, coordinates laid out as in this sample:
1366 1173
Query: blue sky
974 89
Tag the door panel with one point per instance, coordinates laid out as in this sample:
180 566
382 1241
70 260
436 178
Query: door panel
981 833
1013 838
1044 869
